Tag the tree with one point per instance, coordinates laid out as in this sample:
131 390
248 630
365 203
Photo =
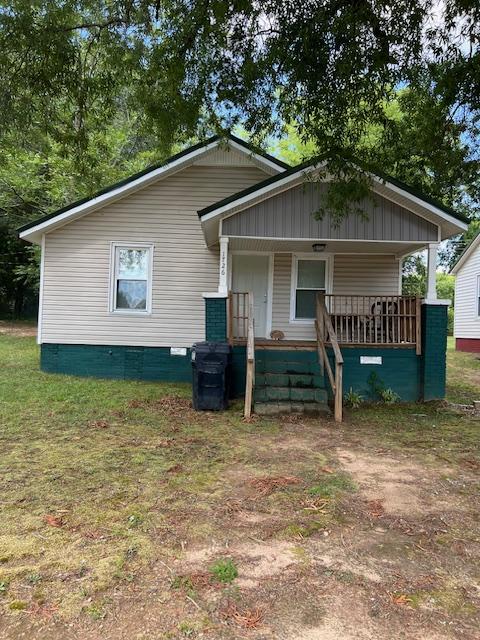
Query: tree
41 175
414 276
221 63
72 73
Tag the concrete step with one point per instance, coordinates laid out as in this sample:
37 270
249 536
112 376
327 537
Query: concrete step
292 394
275 408
300 367
297 380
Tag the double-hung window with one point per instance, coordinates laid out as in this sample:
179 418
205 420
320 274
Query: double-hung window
131 278
309 278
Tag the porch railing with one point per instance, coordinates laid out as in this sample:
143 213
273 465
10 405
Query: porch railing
378 320
238 315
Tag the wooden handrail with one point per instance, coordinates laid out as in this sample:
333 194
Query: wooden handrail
250 374
326 333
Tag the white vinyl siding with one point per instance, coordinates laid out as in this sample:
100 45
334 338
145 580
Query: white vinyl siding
352 274
466 318
76 278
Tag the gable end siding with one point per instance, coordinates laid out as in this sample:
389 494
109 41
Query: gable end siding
77 263
290 215
466 319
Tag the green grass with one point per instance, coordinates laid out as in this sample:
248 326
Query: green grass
99 478
96 456
463 375
224 570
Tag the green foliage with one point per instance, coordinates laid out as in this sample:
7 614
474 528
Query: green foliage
187 68
332 485
376 385
414 276
446 286
378 391
353 399
389 396
224 570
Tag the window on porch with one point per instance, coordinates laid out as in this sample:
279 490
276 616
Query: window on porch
309 278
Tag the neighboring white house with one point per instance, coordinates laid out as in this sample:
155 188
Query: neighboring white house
467 298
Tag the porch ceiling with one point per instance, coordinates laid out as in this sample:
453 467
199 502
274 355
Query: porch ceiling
332 246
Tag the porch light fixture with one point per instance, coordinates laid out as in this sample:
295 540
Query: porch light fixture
318 247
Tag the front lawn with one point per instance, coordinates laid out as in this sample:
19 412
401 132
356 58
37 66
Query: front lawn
127 515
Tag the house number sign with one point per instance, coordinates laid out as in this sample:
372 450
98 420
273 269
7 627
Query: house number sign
370 359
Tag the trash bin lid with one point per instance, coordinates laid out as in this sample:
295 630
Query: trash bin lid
221 348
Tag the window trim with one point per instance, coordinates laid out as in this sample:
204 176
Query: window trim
113 278
328 259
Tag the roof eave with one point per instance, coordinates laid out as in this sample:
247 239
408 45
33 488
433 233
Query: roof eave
33 231
464 256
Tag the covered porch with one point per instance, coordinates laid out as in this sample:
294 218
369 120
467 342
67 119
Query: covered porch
314 321
292 282
360 283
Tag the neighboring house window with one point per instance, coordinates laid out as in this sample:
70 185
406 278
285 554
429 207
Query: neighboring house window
309 277
132 278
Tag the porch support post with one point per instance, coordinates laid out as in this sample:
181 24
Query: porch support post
223 268
432 271
434 348
215 317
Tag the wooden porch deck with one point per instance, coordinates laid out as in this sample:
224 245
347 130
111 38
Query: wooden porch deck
307 345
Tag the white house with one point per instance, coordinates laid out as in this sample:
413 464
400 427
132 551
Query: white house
221 235
467 298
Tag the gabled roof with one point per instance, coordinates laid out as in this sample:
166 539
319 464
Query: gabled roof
307 167
466 253
448 221
33 230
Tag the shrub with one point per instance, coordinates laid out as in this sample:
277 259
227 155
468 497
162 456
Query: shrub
353 399
389 396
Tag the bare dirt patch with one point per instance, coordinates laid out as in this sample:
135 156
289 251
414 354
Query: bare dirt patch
20 329
390 484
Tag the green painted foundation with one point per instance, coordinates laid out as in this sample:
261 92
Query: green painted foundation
125 363
400 370
410 376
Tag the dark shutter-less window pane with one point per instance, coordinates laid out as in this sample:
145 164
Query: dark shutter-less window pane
131 294
305 304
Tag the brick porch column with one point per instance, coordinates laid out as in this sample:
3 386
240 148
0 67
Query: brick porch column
215 317
434 348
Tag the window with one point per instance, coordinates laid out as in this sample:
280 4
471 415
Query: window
309 278
132 278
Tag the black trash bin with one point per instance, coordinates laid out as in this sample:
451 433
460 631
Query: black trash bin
211 365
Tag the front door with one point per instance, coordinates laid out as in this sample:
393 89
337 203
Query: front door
250 273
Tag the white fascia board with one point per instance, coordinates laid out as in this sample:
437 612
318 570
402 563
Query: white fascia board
462 226
277 168
259 194
288 181
116 194
465 255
